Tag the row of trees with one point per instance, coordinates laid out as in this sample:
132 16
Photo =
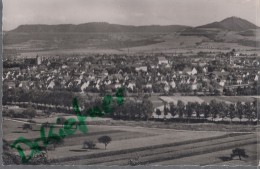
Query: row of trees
214 110
138 108
133 110
38 96
143 110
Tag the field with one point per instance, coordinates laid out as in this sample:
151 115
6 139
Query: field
152 145
227 99
72 43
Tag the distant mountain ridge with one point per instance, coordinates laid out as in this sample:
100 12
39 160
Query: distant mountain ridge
231 24
114 36
93 27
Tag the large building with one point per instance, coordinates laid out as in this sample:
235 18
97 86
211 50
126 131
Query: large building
162 60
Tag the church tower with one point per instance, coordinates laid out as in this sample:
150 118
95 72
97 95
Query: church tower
39 60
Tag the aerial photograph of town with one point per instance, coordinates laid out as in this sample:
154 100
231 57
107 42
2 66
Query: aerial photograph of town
128 83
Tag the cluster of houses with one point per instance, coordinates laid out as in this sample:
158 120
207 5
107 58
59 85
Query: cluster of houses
138 73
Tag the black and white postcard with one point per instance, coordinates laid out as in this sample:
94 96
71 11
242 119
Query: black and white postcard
131 82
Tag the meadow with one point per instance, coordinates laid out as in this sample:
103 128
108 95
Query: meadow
152 145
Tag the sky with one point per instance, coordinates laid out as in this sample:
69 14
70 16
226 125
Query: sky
126 12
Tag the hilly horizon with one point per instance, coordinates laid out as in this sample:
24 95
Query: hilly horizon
93 27
231 24
103 35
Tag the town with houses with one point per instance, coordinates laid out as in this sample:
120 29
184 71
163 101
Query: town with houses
204 74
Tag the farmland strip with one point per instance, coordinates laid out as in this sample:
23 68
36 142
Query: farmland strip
99 155
156 152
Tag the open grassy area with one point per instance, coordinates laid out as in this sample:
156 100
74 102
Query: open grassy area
154 143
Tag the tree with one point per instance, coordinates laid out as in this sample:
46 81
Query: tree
240 110
232 52
165 111
197 109
239 152
158 112
248 111
255 107
147 108
213 108
189 110
180 108
105 140
27 126
222 110
231 111
205 109
172 109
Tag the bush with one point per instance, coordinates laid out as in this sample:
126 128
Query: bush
27 127
134 162
89 144
30 112
61 120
